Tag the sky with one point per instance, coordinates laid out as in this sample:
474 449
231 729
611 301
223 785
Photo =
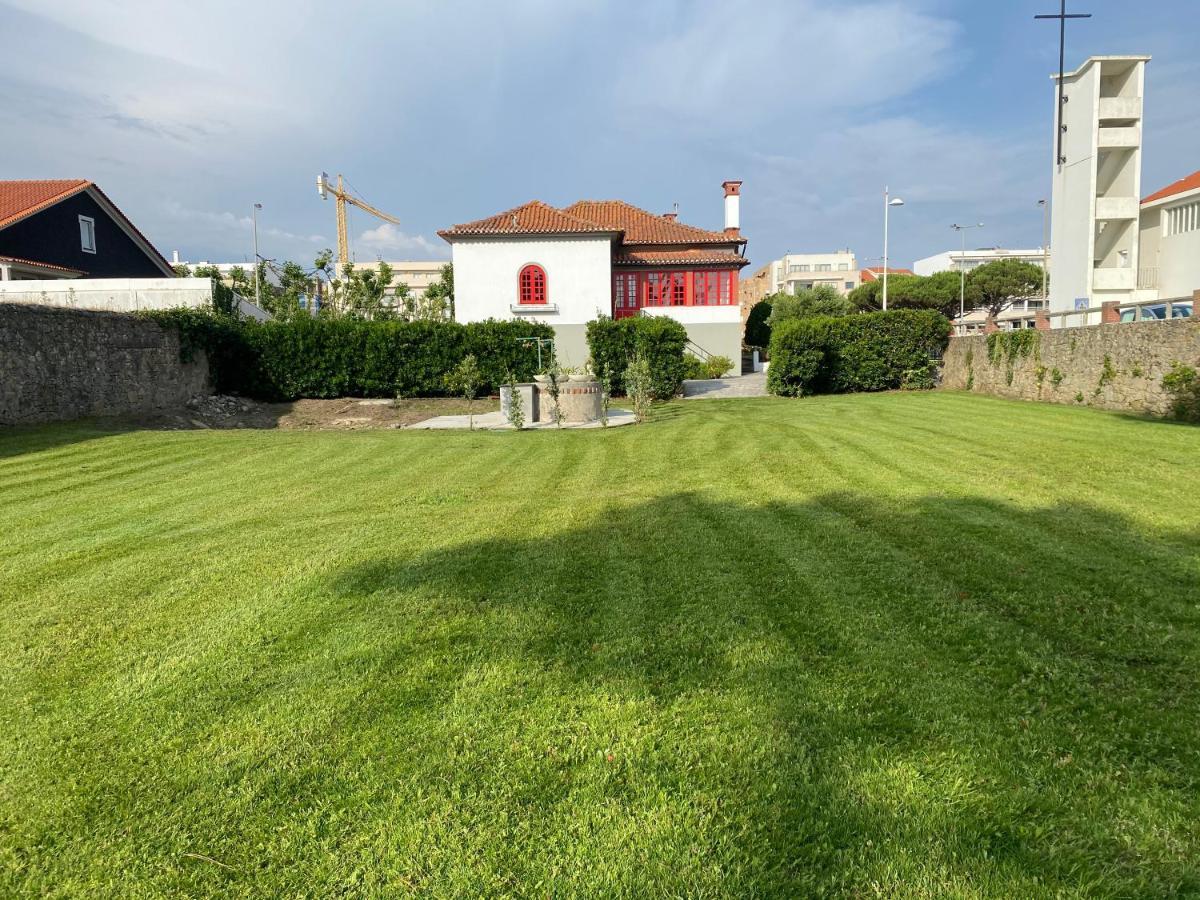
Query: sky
445 111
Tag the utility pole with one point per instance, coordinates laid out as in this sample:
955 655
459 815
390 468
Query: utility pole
887 205
254 218
1045 248
962 268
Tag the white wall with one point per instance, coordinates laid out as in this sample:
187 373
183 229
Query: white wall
118 294
715 329
578 278
1179 265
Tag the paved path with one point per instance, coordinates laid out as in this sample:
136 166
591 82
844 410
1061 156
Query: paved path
754 385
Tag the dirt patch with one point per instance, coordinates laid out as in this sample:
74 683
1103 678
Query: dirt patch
343 414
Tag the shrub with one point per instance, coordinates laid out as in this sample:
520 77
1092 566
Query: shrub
314 357
869 352
639 383
717 366
694 367
1182 383
658 340
922 378
758 332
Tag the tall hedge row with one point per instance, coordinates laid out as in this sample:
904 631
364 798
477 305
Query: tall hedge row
868 352
348 358
614 342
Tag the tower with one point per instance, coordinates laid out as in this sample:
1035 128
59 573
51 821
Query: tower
1097 183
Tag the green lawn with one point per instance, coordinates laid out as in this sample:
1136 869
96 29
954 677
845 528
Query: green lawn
907 644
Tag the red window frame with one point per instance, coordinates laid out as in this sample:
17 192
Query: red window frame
532 287
673 287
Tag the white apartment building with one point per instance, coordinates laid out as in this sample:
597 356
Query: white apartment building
957 260
1097 183
801 271
417 274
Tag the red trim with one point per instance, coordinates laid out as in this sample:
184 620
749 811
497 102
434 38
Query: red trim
672 287
533 288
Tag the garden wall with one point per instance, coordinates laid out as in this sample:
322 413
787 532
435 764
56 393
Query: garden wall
60 364
1118 366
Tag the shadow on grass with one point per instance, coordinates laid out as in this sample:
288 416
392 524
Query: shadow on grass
843 695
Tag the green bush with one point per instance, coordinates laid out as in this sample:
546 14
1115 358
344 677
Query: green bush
314 357
1182 383
660 341
717 366
694 367
758 332
869 352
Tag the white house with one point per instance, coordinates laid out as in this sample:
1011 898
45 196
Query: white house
565 267
1169 235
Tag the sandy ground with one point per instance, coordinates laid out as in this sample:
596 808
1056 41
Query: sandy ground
343 414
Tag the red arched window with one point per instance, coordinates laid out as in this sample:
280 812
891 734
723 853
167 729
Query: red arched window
531 285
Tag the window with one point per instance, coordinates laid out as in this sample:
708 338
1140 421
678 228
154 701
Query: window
624 293
794 267
843 267
849 285
1182 219
531 286
824 267
87 234
802 268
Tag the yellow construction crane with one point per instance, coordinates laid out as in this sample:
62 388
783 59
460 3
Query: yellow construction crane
342 197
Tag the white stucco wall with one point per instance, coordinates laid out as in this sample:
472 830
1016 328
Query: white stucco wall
578 278
1179 265
717 330
118 294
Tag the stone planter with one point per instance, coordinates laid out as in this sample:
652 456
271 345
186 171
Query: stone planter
579 401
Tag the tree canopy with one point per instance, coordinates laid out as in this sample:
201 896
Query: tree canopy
993 286
822 300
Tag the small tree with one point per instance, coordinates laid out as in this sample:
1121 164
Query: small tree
758 332
605 398
822 300
464 379
995 285
516 409
439 296
639 386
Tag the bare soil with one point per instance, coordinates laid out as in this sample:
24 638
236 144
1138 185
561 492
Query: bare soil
343 414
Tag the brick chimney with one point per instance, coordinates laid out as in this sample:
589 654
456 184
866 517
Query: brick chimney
733 196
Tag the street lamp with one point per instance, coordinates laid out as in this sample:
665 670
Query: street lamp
962 268
1045 247
887 205
254 218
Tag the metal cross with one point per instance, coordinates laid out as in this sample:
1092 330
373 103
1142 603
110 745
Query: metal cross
1062 17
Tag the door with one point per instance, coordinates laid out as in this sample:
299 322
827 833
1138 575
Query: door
626 301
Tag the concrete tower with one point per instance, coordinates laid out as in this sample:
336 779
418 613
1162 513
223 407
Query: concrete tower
1097 183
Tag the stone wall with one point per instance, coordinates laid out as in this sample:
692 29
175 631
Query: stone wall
60 364
1118 367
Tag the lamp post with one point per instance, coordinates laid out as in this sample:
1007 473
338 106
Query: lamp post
254 218
962 268
1045 247
888 203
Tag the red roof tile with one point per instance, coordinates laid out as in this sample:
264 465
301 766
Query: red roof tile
642 227
19 199
1190 183
535 217
871 273
679 258
41 265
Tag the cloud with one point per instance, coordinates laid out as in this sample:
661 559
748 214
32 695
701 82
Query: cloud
791 61
387 238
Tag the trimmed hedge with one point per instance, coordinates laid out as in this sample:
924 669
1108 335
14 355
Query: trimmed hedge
319 358
869 352
614 342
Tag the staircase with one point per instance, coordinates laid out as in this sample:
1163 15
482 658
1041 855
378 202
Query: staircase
747 362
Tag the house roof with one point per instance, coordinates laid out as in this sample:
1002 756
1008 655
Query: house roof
871 273
534 217
19 199
1182 186
679 258
16 260
642 227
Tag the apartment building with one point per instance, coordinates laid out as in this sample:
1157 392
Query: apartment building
802 271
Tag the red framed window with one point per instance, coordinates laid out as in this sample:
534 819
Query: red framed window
531 286
625 294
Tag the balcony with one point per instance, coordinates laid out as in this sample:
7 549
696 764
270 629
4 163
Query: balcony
1116 208
1124 136
1120 108
1114 279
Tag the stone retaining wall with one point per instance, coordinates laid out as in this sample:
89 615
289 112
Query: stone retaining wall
1118 366
61 364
